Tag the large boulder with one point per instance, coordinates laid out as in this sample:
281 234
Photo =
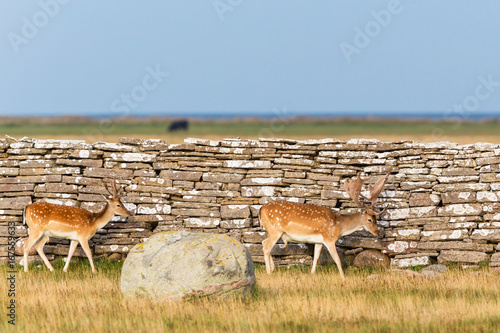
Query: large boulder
178 264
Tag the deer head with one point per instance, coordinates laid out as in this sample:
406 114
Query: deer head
369 205
114 200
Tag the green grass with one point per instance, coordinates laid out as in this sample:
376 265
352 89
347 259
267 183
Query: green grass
254 129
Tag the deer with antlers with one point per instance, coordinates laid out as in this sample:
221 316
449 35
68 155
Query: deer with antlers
319 225
79 225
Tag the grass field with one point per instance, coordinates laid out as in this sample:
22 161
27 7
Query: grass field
289 300
384 130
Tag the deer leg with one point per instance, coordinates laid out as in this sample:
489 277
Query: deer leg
267 246
39 249
85 245
333 251
72 249
32 240
317 252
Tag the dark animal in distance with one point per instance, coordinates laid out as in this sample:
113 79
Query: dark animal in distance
178 125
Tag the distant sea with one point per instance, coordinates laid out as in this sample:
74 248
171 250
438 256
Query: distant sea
431 115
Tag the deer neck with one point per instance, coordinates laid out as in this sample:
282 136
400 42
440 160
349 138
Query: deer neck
102 218
350 223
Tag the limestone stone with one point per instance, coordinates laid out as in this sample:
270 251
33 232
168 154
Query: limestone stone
50 144
235 211
458 197
417 260
16 187
399 247
422 212
246 164
486 234
461 187
14 203
258 191
176 265
490 178
424 199
460 210
181 175
9 171
488 196
106 146
254 236
449 256
202 222
488 160
455 245
38 163
300 192
80 162
236 223
222 177
444 235
404 234
262 181
364 242
495 260
107 173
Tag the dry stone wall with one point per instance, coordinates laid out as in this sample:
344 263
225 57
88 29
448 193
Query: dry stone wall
443 199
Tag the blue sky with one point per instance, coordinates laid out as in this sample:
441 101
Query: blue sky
238 56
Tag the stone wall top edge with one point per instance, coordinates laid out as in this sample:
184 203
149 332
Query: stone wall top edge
130 142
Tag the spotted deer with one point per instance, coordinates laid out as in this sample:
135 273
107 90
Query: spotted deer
319 225
79 225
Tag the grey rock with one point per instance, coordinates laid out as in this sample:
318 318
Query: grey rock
435 268
179 264
371 258
495 260
115 257
431 274
407 273
472 257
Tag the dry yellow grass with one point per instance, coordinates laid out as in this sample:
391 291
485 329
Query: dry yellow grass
287 300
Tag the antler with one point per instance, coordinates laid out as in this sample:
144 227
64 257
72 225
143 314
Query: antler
375 191
114 192
353 189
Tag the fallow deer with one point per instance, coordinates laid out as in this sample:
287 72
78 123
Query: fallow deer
79 225
319 225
